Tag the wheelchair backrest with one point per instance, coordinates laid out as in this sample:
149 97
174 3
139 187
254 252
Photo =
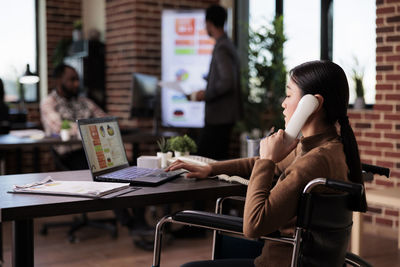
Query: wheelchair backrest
326 221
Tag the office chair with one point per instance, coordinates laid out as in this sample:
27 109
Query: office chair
321 237
82 221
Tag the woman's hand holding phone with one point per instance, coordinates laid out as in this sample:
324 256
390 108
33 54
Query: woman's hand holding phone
275 147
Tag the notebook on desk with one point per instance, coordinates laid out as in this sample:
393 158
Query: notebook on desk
106 156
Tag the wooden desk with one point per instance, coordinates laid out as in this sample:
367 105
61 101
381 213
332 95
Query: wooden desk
10 142
384 197
21 209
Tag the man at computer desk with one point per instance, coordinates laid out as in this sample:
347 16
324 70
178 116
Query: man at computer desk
65 103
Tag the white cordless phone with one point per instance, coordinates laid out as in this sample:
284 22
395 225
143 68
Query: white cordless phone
306 106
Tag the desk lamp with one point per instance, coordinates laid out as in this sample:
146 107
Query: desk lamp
27 78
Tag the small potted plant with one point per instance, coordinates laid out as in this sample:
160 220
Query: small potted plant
182 145
359 103
164 153
77 31
65 130
358 77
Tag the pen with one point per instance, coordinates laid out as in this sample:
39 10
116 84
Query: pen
271 131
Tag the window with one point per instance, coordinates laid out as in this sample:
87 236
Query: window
261 12
18 46
302 24
353 37
354 40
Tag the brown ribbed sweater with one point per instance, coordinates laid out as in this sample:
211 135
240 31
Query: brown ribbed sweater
268 208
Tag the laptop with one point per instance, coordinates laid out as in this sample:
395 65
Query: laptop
106 156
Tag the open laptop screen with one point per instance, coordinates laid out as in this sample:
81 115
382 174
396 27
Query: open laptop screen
103 144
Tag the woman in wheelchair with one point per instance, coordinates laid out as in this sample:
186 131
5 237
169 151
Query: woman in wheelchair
327 148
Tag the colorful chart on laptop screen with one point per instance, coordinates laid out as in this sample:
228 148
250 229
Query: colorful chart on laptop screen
103 145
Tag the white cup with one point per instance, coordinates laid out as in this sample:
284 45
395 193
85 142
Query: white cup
253 147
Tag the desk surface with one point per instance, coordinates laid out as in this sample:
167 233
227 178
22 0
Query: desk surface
28 206
8 141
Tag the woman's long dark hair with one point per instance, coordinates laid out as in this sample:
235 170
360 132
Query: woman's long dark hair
329 80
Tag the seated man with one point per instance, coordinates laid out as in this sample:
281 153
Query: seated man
64 103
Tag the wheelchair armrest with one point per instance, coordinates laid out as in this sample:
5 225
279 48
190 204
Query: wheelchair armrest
216 221
210 220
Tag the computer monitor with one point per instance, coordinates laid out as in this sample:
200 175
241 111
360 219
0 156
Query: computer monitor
146 98
145 94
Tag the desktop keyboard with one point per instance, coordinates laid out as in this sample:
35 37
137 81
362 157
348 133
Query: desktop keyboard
193 159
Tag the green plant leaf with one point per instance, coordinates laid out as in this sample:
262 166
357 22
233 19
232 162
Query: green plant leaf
65 124
182 144
265 79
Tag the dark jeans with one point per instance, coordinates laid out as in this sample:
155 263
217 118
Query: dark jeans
131 219
221 263
214 141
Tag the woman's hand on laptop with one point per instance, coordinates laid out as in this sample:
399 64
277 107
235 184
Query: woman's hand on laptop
194 170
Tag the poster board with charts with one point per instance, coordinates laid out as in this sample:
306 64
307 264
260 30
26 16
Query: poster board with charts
186 56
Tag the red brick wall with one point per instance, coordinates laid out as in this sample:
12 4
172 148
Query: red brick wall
377 130
61 15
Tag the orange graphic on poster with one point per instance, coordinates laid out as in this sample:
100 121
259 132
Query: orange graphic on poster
206 42
184 42
203 51
184 26
203 32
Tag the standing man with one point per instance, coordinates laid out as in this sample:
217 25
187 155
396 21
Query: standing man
222 96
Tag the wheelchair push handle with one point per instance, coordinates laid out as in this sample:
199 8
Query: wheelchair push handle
353 189
375 169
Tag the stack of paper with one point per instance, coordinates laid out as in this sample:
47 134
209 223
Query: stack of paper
70 188
28 133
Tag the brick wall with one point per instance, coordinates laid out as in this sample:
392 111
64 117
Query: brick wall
377 130
61 15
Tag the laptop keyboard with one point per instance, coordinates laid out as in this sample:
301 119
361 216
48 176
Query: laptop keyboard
134 172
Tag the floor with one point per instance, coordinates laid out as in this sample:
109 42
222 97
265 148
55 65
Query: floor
96 248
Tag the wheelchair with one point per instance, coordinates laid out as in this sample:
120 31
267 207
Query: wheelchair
321 236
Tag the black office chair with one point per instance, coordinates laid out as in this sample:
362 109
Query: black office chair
321 236
82 221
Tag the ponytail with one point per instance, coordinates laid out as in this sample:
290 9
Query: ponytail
353 161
